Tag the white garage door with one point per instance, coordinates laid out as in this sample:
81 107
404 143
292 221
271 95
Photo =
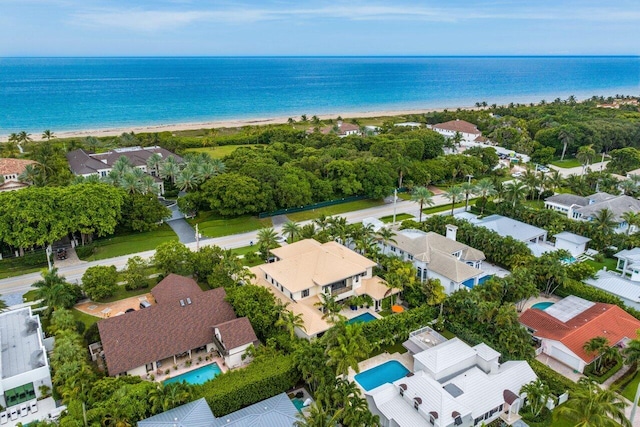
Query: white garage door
565 358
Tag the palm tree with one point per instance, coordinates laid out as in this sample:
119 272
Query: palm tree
48 135
537 395
566 138
596 345
387 235
24 137
267 240
290 321
322 221
531 180
632 219
632 357
592 406
291 229
585 155
515 192
318 416
485 188
628 187
169 169
54 291
148 185
330 308
30 174
555 180
186 180
468 189
423 196
349 347
455 195
153 163
604 221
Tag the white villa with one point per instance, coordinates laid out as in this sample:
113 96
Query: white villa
625 283
305 269
453 384
586 208
468 131
24 367
438 257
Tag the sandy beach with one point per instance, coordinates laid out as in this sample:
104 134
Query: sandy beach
229 123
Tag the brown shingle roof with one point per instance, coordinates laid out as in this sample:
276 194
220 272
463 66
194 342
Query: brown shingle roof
13 166
600 320
458 126
236 333
167 328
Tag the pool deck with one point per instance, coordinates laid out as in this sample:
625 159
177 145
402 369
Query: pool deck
405 359
115 308
160 375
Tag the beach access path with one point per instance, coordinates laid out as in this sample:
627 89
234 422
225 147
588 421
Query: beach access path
73 273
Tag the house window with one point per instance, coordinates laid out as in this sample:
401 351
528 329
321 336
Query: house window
410 257
266 276
419 272
415 405
290 295
401 391
305 293
393 249
432 420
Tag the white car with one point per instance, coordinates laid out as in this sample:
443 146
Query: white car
544 169
516 174
280 239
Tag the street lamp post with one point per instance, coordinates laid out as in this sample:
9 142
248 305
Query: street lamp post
395 200
48 251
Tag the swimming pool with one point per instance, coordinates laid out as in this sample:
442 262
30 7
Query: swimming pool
363 318
542 305
470 283
569 260
197 376
298 403
388 372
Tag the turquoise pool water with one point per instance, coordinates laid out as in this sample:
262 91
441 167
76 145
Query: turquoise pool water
363 318
542 305
197 376
470 283
298 403
388 372
569 260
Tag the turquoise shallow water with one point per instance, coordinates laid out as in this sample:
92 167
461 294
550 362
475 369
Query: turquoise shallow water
89 93
388 372
197 376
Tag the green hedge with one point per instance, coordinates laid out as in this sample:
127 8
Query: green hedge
556 382
602 378
260 380
390 329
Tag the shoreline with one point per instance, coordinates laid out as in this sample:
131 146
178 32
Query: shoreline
230 123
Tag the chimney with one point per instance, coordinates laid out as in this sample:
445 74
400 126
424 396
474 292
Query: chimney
452 230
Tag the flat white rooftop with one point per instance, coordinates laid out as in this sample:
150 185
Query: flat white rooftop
568 308
21 348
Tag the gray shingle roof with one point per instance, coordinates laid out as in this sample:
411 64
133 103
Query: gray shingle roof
568 200
617 205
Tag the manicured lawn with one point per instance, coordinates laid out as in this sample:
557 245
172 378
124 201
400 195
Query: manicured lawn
610 263
125 244
212 225
535 204
399 217
630 390
391 348
17 266
567 163
87 319
219 152
245 250
335 209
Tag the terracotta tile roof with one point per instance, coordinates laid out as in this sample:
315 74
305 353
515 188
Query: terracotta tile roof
167 328
600 320
13 166
458 126
236 333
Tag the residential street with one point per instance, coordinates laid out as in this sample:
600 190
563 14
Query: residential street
73 273
565 172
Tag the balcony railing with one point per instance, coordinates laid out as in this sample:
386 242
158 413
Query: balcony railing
341 291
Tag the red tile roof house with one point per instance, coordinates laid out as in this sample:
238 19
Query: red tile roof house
10 170
469 131
184 319
567 325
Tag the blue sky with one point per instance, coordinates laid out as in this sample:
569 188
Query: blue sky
372 27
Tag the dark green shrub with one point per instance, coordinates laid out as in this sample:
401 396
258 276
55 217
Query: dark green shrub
557 383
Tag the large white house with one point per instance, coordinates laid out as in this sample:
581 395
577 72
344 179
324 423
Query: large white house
452 384
468 131
306 269
24 367
587 208
625 283
438 257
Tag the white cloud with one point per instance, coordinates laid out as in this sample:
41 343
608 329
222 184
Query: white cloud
139 19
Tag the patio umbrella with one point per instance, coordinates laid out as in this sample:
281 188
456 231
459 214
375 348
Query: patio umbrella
397 308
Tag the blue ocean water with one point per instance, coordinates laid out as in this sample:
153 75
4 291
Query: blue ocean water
90 93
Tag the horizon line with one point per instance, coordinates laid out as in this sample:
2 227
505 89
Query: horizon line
324 56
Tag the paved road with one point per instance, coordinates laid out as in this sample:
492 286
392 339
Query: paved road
565 172
73 273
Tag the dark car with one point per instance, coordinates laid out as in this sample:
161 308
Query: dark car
129 310
61 253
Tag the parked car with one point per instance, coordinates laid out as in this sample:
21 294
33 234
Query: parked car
543 169
516 174
61 253
145 304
